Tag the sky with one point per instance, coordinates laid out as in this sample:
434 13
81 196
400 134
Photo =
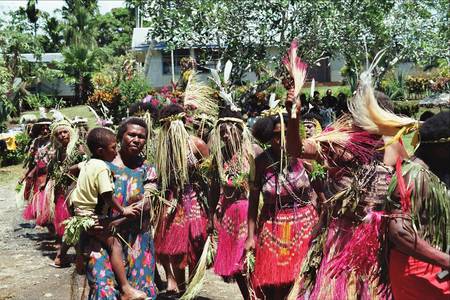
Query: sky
51 5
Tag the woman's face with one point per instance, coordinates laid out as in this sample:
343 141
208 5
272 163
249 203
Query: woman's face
45 130
229 132
133 140
63 136
310 129
276 139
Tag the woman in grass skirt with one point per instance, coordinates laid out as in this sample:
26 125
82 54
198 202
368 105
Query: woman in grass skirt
232 154
288 214
181 232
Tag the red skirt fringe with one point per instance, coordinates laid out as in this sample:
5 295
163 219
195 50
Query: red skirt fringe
61 214
232 233
282 244
184 231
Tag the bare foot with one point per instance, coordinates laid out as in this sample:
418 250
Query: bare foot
172 285
129 293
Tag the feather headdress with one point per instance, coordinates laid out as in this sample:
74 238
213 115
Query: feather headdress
240 143
172 152
297 69
198 96
368 114
225 90
343 134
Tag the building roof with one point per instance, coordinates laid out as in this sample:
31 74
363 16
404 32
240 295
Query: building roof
45 57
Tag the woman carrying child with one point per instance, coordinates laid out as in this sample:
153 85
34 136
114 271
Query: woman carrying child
130 172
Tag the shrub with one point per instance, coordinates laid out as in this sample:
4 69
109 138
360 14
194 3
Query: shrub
394 86
35 101
407 108
17 156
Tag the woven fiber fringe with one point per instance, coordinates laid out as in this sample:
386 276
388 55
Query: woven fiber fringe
232 233
282 245
61 214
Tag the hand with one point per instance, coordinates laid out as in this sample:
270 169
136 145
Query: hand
290 98
131 211
250 244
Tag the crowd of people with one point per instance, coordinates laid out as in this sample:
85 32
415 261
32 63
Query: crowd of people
306 204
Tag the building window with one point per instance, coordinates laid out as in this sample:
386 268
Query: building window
177 56
207 58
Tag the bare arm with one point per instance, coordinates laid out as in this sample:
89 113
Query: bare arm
411 244
253 203
293 140
129 211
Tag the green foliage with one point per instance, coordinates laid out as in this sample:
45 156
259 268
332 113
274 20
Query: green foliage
13 157
318 172
407 108
132 90
5 86
35 101
115 30
394 86
74 227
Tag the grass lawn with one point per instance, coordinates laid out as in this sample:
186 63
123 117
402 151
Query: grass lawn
10 173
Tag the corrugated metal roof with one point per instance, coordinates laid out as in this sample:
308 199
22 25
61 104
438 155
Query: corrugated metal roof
45 57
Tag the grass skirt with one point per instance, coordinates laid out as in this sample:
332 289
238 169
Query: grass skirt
232 233
282 243
344 286
183 232
37 204
61 214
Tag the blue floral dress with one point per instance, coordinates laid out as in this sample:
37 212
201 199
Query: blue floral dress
140 259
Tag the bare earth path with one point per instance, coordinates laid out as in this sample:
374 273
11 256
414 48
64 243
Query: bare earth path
26 252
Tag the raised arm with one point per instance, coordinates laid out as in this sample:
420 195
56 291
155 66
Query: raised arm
293 140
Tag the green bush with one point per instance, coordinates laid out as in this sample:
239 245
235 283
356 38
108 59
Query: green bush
407 108
35 101
17 156
394 86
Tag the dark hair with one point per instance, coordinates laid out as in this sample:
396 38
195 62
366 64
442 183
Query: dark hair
426 115
384 101
316 93
312 116
36 128
227 112
436 127
262 130
170 110
99 137
140 107
130 121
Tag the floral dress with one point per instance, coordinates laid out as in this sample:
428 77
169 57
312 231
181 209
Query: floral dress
139 259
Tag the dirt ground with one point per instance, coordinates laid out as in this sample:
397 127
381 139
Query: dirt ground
26 252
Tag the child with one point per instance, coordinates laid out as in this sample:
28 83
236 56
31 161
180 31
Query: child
95 185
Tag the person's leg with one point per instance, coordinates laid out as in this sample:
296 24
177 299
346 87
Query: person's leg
177 261
116 258
61 252
243 286
170 277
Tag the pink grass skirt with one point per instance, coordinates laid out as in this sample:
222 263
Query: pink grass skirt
36 202
282 243
61 214
344 286
184 231
232 233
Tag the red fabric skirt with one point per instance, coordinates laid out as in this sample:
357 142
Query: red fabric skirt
412 279
232 233
183 232
36 205
282 243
